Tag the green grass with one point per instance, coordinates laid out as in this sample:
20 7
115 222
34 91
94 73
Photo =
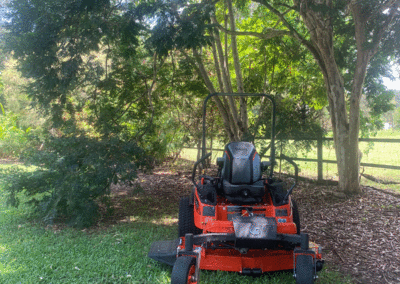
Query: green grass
373 153
34 253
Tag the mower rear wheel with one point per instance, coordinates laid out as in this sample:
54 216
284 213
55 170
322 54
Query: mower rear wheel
296 216
304 269
184 270
186 218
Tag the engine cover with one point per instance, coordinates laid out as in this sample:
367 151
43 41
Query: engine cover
255 232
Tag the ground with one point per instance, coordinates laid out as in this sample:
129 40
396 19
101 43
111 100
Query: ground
360 235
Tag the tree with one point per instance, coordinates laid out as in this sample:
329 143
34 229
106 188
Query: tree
84 58
346 39
227 61
331 27
108 60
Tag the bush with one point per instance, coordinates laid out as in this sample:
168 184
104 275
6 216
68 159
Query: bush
13 139
71 175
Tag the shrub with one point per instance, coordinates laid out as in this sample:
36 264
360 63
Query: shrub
71 174
13 139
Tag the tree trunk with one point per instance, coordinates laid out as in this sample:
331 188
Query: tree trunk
229 127
222 61
345 132
243 122
235 122
345 135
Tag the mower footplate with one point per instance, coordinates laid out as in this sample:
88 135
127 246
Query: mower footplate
164 251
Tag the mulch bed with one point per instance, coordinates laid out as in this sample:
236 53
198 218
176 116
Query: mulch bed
360 235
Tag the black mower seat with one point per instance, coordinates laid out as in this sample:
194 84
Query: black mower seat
241 173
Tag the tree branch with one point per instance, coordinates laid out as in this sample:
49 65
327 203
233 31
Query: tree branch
139 135
389 4
203 73
270 33
292 31
379 34
222 60
217 67
202 70
242 122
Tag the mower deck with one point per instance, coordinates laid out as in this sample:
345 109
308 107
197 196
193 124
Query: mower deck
218 252
165 251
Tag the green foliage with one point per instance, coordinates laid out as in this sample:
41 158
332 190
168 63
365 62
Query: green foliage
16 101
2 100
396 118
13 139
54 42
92 71
379 101
20 123
182 30
296 122
72 174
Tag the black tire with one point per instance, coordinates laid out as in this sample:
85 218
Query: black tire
296 216
186 218
183 269
304 269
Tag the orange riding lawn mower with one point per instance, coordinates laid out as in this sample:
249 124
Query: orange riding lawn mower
239 221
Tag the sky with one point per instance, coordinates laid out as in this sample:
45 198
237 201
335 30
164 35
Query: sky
3 12
392 85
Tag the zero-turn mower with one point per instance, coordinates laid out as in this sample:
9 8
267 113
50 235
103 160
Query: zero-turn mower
239 221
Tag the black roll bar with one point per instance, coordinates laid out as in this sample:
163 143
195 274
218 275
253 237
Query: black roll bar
296 177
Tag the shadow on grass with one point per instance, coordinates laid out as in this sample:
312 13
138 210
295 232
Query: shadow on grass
153 209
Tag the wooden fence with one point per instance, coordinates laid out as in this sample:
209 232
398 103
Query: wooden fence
321 161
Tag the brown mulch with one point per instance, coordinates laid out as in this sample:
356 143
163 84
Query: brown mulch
360 235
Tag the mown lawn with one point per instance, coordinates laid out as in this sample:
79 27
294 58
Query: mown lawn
32 252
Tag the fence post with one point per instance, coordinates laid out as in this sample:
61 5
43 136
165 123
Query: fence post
319 153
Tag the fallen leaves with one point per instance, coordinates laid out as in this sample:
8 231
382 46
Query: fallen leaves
360 235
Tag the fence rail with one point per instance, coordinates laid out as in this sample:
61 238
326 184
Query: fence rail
320 159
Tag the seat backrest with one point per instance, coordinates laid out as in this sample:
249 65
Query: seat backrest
242 164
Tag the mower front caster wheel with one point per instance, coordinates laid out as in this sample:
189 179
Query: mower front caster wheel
304 269
184 270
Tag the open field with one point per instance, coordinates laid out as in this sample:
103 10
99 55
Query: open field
373 153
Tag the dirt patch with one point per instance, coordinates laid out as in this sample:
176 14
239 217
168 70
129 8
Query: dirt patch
154 196
360 235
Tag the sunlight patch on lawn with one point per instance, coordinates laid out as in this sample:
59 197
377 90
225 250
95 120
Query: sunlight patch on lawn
168 221
165 221
164 173
6 268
